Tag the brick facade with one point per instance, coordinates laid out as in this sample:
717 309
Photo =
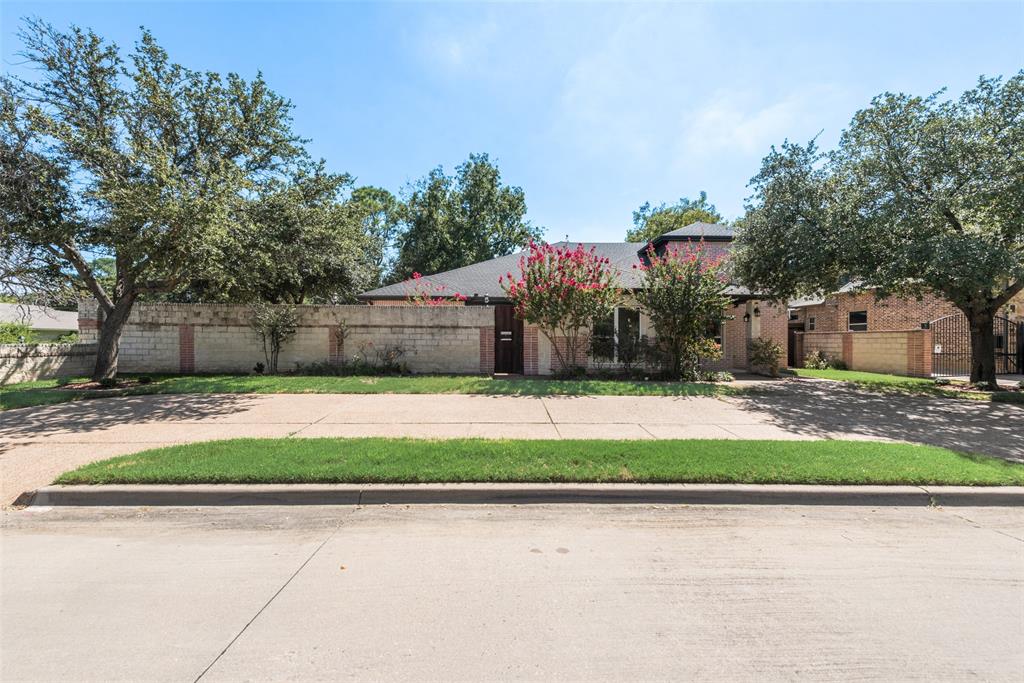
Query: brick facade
896 352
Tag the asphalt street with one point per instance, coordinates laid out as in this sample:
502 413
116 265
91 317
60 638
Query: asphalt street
545 592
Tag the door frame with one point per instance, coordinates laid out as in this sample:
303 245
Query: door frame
507 336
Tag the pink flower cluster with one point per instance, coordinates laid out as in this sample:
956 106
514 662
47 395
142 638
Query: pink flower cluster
421 293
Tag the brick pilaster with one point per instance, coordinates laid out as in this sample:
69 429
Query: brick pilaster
848 349
186 349
487 350
529 350
336 345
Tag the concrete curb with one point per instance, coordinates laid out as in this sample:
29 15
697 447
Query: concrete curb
521 494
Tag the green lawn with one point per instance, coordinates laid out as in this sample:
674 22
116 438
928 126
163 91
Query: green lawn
480 460
46 392
876 381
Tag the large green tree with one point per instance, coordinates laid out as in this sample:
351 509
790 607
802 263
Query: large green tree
298 242
453 221
146 162
652 221
923 194
380 213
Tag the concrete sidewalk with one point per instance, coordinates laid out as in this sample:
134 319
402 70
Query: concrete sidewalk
481 593
37 444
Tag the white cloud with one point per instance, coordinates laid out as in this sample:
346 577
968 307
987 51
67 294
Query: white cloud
736 123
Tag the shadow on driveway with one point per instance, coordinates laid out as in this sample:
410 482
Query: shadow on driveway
24 424
821 409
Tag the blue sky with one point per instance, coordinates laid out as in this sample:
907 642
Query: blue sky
592 108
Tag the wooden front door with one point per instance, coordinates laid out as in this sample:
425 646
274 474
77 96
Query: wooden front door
508 340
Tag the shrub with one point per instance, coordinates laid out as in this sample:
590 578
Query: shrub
765 354
684 295
145 379
818 360
563 292
942 381
17 333
275 325
69 338
108 382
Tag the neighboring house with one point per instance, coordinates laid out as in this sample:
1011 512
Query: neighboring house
519 348
853 309
47 323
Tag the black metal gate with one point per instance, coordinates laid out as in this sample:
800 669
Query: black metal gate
951 354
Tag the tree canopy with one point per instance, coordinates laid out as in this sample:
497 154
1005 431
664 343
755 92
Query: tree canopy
650 222
453 221
923 194
139 159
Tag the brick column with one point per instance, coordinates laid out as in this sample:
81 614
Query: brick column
335 345
529 350
919 353
487 350
848 349
186 349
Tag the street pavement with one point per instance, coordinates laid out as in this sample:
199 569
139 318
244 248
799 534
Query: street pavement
38 444
472 593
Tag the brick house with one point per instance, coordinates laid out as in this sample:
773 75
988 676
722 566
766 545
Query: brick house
521 348
831 324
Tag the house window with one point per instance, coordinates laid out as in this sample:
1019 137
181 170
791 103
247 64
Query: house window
857 321
616 337
717 333
811 323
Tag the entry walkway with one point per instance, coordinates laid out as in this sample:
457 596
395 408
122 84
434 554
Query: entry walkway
37 444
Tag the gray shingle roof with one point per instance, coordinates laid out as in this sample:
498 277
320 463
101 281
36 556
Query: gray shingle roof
710 231
481 279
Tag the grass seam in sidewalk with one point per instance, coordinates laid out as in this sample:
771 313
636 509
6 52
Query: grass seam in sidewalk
383 460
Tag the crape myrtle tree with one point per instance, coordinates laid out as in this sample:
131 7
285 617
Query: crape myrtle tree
922 195
563 291
454 221
652 221
144 161
683 293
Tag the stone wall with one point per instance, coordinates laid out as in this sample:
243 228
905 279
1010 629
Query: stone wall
904 352
216 337
27 362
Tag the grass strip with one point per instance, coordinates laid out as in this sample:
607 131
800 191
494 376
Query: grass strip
379 460
48 392
880 382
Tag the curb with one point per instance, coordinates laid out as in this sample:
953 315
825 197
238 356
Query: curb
525 494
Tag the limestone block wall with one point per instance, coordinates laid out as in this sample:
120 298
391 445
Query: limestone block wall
28 362
904 352
217 338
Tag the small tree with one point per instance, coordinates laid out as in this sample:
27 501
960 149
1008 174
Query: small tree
684 295
275 325
563 291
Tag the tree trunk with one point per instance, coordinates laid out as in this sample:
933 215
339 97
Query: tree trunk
983 348
110 339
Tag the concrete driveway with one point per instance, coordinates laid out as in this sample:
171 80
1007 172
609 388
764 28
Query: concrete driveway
479 593
37 444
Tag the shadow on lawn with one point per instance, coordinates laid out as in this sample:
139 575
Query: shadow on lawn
99 413
820 409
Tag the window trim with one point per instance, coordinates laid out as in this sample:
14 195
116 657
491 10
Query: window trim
860 327
812 322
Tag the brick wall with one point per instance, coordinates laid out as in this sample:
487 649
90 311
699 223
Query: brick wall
889 314
904 352
217 337
28 362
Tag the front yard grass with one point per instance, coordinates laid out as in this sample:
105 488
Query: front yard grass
378 460
876 381
46 392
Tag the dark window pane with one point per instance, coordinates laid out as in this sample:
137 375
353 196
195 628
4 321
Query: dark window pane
858 321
